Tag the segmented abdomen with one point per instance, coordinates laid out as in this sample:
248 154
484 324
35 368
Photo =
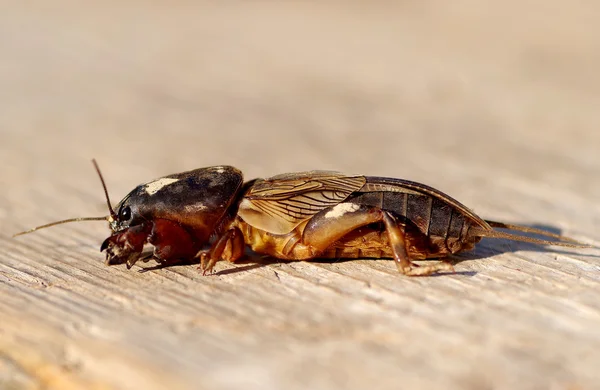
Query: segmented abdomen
433 227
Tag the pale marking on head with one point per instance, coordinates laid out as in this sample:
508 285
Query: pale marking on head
219 178
342 209
194 208
154 186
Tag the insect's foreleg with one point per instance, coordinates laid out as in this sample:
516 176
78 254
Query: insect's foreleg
125 247
230 247
172 243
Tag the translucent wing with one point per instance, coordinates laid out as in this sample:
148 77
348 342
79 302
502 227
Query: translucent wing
280 203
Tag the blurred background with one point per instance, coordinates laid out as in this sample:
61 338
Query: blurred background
495 103
446 93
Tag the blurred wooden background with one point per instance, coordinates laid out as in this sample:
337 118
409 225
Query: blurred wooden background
495 103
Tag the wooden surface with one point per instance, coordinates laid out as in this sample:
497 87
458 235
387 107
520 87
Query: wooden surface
495 104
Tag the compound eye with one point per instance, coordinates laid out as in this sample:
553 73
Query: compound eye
125 213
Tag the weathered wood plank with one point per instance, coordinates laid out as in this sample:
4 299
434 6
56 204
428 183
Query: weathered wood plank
502 117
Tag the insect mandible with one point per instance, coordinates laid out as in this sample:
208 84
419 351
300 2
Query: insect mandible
211 214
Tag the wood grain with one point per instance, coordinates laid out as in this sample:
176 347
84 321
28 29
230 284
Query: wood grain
493 104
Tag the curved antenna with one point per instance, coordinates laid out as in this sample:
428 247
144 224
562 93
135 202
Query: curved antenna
61 222
112 215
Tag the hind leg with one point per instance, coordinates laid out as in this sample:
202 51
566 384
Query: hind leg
329 226
397 240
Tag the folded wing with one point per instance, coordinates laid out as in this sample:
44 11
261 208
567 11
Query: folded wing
279 204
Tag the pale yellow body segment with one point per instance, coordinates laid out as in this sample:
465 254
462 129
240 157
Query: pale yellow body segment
284 246
362 243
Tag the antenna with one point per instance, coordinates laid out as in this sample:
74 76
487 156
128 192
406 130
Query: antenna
61 222
110 209
112 215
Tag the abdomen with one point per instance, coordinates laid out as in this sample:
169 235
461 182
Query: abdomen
433 228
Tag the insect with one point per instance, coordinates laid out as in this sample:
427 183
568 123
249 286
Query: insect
212 214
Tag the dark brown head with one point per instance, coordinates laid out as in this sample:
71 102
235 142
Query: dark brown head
190 203
197 198
177 212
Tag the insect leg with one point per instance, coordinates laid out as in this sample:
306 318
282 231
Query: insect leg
230 247
172 243
396 235
330 225
125 247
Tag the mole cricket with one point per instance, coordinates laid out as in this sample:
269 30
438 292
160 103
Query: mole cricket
211 214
